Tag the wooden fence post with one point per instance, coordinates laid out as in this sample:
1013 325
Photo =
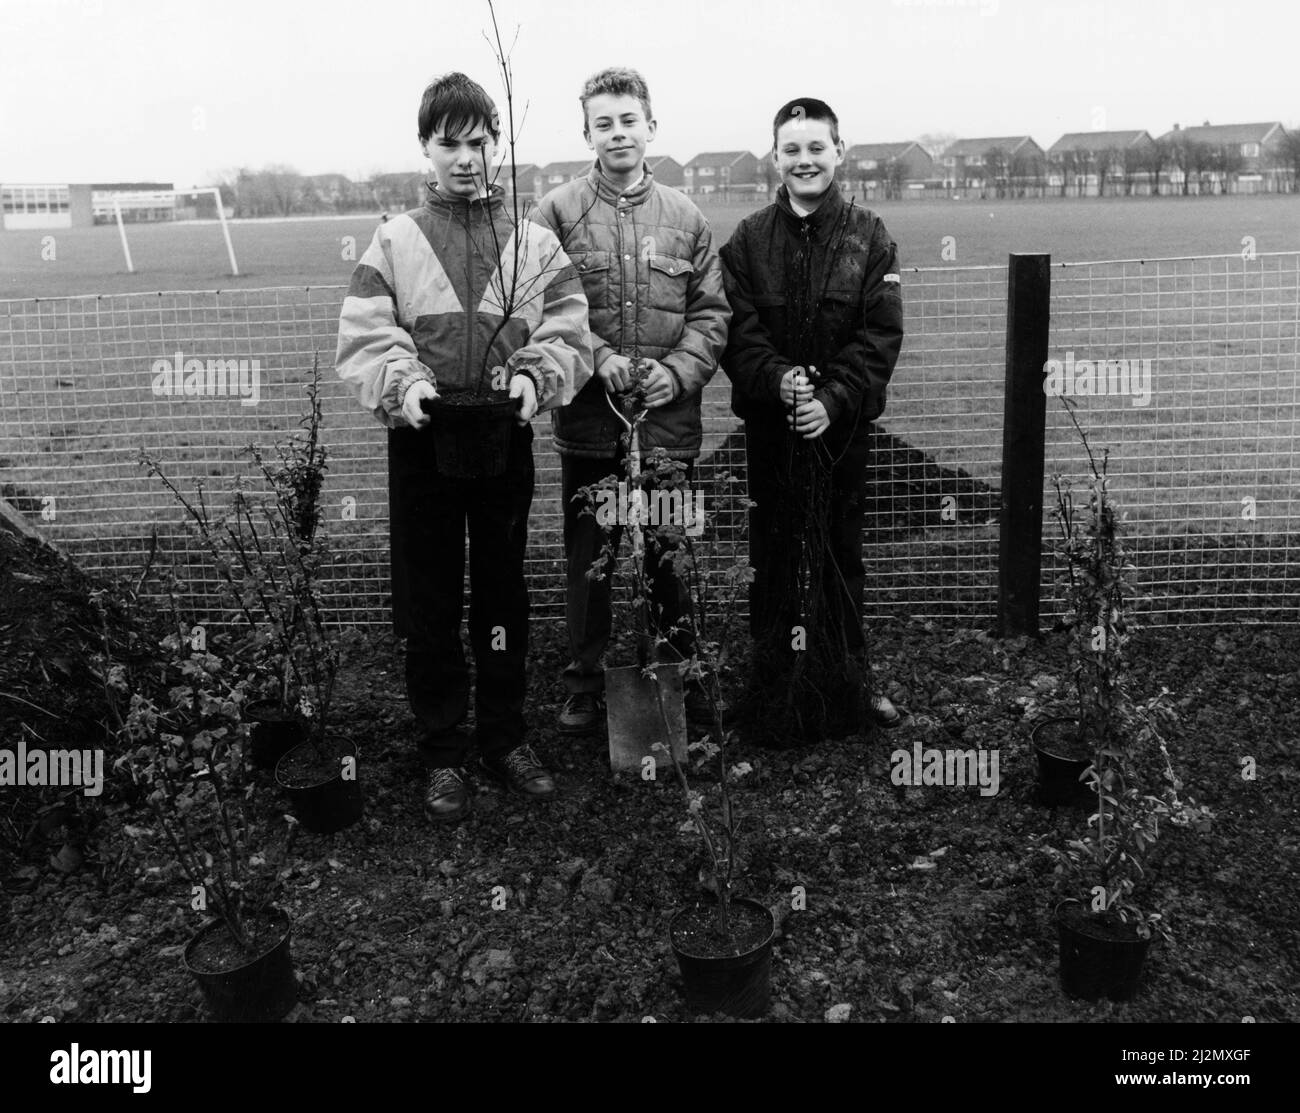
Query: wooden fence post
1020 536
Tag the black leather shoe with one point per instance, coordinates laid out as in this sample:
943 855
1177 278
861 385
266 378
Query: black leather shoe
446 800
521 772
583 713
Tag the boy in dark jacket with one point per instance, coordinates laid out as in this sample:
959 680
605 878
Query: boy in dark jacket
448 299
817 323
652 280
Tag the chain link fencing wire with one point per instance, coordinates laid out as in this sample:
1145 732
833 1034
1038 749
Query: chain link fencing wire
1186 370
81 394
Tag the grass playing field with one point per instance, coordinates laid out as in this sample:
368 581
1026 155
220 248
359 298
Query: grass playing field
192 256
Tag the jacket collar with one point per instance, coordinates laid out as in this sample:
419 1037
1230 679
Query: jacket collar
476 208
821 218
606 190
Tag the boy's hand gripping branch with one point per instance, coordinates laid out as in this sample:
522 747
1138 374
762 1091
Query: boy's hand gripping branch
807 417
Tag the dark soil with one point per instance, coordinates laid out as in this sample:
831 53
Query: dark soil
1061 739
921 902
696 933
307 766
471 400
217 952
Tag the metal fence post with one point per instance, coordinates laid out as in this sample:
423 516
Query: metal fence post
1020 536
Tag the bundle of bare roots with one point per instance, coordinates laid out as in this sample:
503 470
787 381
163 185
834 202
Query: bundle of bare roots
806 683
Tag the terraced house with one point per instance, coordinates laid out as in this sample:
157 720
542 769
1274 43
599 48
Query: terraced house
888 170
722 172
1227 158
557 173
523 180
667 170
1102 164
995 166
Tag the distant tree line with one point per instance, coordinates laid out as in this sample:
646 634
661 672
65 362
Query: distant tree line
280 190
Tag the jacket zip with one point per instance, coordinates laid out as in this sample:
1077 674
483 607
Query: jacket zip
471 314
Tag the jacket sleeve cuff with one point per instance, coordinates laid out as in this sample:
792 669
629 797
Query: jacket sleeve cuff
680 390
831 400
529 372
774 381
601 354
400 383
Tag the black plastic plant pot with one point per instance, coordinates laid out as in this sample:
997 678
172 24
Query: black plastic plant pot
1101 955
274 732
471 436
718 981
1056 744
240 987
322 797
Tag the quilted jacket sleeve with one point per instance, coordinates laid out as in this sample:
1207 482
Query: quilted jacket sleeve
750 360
860 371
695 357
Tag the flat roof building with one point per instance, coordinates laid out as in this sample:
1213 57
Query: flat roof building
73 205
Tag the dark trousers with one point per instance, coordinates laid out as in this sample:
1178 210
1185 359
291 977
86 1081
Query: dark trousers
587 607
430 514
767 453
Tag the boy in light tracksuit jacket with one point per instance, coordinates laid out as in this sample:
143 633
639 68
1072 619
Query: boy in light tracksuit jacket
423 317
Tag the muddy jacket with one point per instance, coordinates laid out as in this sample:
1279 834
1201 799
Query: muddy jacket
431 299
654 288
820 290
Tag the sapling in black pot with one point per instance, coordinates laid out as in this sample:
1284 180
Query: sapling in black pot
320 775
183 738
269 551
1129 774
724 951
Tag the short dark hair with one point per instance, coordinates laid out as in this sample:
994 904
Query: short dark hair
810 108
454 103
616 81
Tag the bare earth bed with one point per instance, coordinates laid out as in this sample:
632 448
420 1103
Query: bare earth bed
921 903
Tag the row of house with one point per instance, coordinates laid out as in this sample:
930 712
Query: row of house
1237 158
1229 158
1225 158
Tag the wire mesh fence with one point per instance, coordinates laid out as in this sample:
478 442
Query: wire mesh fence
1186 370
1206 468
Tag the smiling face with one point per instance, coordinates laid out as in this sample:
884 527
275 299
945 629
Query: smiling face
807 156
618 131
462 163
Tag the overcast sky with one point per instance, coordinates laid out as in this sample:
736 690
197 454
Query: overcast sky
118 90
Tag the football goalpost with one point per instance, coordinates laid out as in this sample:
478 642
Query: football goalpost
158 195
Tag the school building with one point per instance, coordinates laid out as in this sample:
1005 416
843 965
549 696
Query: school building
71 205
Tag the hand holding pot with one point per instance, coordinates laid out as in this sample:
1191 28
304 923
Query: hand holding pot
521 387
420 391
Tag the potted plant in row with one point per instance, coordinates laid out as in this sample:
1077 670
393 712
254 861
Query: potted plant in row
724 950
1122 746
269 551
183 739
